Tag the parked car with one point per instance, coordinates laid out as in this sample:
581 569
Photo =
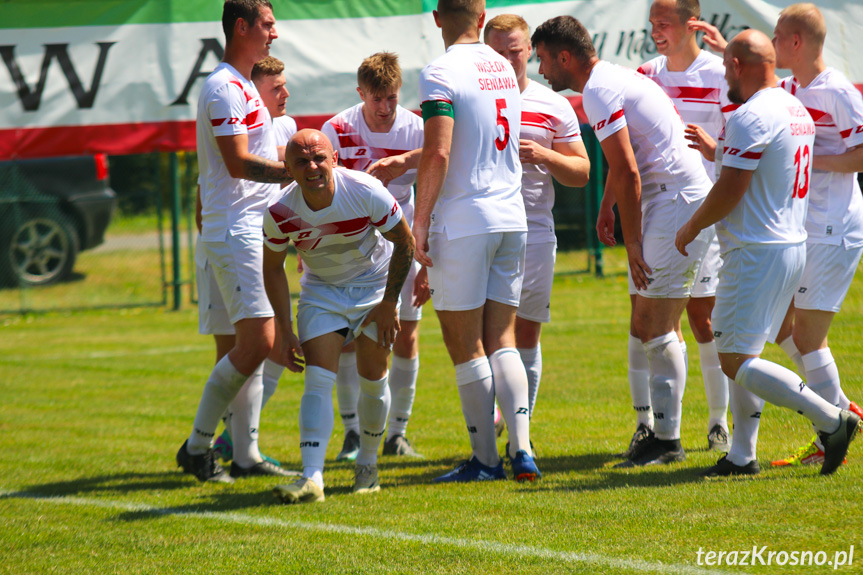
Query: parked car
50 209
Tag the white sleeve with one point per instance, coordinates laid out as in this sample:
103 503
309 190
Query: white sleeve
848 115
604 110
566 126
384 210
274 237
746 137
227 111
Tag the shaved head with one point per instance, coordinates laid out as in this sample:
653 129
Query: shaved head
308 138
750 65
310 159
752 47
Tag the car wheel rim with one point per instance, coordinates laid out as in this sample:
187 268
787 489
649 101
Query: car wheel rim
40 250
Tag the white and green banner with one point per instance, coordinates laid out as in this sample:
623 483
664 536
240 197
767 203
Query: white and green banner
123 76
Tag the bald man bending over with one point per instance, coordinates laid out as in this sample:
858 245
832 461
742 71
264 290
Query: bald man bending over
759 203
357 250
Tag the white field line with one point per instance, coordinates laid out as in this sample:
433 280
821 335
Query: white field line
489 547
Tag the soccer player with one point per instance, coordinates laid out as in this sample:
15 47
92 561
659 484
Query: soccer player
350 290
376 128
834 221
270 81
550 146
470 230
760 198
269 78
656 180
235 144
694 79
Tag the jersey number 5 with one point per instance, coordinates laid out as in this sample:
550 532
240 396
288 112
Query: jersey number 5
500 143
801 162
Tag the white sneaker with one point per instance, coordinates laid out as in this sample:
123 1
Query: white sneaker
366 479
301 491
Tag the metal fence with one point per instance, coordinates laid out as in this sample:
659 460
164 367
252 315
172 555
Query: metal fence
50 255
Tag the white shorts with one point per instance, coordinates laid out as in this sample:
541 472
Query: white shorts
755 290
708 275
230 283
535 303
673 273
324 309
468 271
407 310
827 276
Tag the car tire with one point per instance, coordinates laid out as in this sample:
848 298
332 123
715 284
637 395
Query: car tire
41 250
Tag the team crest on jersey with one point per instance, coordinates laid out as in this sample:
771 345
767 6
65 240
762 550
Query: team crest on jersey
306 234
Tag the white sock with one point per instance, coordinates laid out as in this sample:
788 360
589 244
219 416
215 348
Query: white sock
667 383
246 420
685 353
403 389
476 391
639 382
510 389
348 391
373 407
532 360
272 372
784 388
746 408
822 376
791 351
316 421
715 385
222 385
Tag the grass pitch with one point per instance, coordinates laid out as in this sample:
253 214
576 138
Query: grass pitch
95 405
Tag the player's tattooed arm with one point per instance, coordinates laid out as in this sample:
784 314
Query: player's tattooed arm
401 261
243 165
385 314
259 169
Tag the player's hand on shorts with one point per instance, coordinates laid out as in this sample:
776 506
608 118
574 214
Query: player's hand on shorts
529 152
605 227
701 141
638 268
421 237
292 352
299 263
386 317
388 169
712 36
422 293
684 237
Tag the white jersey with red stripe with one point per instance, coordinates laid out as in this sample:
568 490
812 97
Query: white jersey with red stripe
359 147
339 244
546 118
615 97
283 128
771 135
699 93
230 105
835 214
482 190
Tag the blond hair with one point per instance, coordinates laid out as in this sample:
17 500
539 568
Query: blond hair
269 66
507 23
805 20
380 73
